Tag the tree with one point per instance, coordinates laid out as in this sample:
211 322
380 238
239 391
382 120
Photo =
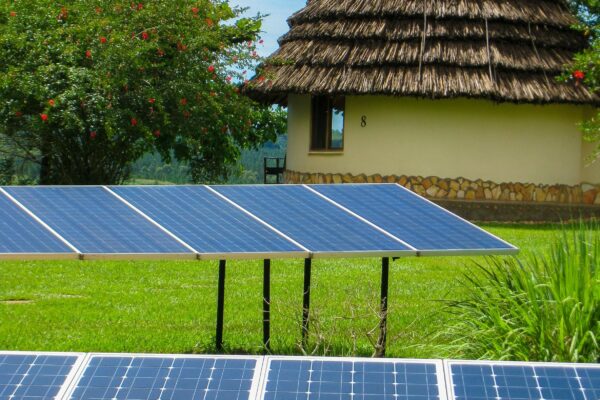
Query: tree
586 67
88 87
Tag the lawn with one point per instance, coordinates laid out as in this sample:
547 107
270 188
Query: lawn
170 307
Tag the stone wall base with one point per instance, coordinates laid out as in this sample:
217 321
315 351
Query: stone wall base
484 200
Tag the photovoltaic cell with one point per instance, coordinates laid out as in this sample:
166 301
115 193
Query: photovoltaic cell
493 381
411 218
33 377
21 234
166 378
310 220
204 220
305 379
95 221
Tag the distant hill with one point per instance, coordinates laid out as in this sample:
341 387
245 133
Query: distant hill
151 169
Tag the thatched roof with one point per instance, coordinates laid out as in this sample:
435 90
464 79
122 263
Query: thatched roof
503 50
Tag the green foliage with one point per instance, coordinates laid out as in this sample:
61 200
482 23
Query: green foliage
89 87
546 308
586 67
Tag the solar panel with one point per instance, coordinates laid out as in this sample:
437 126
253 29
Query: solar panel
96 222
141 377
412 218
287 378
20 234
35 376
312 221
523 381
208 223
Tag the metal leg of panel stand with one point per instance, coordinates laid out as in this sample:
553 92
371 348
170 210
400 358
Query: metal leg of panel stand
306 301
267 305
385 272
220 305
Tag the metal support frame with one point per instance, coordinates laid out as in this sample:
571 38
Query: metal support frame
306 301
385 273
220 305
267 305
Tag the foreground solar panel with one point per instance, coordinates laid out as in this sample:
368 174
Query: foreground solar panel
472 380
36 376
314 222
287 378
419 222
211 225
146 377
96 222
23 237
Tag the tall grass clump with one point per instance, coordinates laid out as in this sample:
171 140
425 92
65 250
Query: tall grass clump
543 307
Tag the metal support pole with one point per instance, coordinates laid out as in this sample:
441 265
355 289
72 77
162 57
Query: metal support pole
267 305
220 304
385 273
306 302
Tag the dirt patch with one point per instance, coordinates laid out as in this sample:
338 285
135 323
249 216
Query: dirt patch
16 301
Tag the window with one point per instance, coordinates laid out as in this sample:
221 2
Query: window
327 123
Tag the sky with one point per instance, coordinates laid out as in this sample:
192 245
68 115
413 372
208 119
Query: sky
275 25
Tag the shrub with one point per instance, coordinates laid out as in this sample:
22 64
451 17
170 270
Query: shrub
545 307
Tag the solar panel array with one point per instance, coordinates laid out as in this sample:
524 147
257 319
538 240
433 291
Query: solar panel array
70 376
224 222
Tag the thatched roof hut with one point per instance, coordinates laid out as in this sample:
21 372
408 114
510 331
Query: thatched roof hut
502 50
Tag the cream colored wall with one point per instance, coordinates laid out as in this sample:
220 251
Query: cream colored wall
448 138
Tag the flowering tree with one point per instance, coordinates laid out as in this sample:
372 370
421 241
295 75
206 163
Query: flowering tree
88 87
586 68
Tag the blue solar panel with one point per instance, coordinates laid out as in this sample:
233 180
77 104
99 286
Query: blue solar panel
95 221
19 233
472 381
166 378
204 220
310 220
33 377
298 379
411 218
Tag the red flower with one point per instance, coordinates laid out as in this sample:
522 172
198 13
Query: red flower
183 101
228 79
145 36
44 117
13 13
579 75
156 133
88 53
140 6
261 78
51 102
103 40
134 122
18 114
93 135
195 10
212 94
211 68
98 10
151 100
209 22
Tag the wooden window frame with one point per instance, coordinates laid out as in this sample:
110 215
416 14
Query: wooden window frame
328 124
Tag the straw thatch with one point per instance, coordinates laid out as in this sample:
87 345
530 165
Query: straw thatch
504 50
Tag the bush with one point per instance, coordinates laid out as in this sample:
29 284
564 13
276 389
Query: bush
544 308
89 87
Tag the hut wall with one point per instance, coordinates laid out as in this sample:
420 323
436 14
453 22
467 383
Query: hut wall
474 139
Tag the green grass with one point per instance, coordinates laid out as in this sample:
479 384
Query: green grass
170 307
